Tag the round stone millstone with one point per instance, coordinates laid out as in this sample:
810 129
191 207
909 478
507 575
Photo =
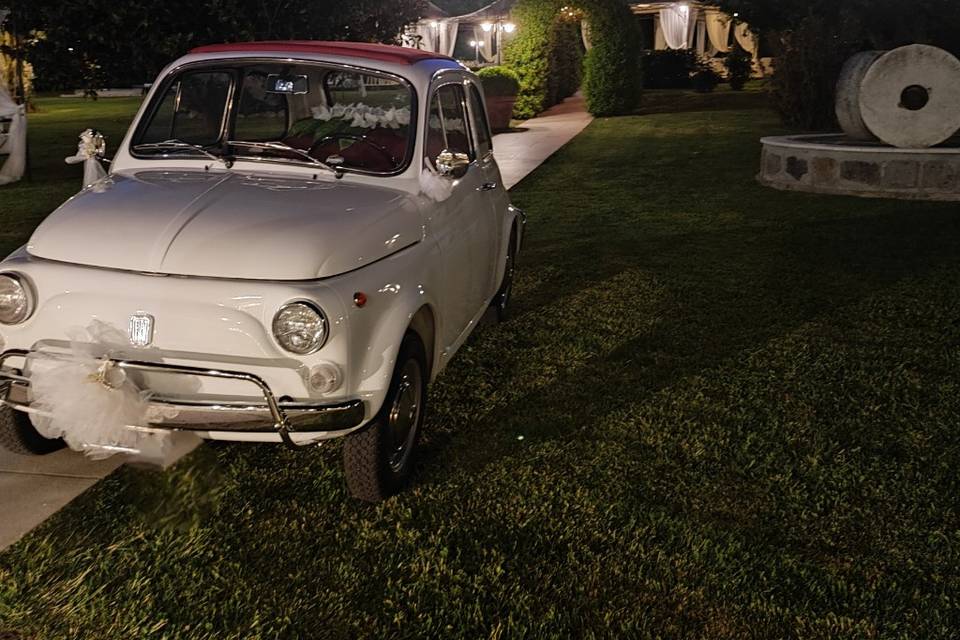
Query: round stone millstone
848 95
910 97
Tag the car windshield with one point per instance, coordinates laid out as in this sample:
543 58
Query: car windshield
282 112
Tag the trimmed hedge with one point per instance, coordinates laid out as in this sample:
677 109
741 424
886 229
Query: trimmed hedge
526 54
669 69
611 71
547 54
705 80
739 66
499 81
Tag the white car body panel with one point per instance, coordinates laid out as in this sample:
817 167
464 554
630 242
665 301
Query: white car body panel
212 254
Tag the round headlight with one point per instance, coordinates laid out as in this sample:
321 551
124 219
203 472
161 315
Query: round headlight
16 303
300 328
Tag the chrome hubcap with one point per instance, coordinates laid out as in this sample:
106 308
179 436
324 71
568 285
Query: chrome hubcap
405 413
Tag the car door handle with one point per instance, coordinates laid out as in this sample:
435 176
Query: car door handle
487 186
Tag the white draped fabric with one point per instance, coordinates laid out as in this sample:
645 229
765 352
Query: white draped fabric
14 142
425 36
700 41
486 48
448 36
675 24
585 34
660 42
747 39
692 15
718 30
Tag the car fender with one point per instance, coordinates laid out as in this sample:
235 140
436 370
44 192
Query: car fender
392 292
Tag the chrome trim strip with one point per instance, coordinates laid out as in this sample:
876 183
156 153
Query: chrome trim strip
335 417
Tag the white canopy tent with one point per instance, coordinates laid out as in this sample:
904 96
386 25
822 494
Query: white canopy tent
438 31
435 31
695 25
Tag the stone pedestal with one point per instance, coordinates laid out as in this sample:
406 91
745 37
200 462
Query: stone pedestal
834 164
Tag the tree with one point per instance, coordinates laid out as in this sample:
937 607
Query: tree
546 53
813 38
20 25
124 43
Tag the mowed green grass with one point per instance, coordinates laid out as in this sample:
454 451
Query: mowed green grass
53 132
720 411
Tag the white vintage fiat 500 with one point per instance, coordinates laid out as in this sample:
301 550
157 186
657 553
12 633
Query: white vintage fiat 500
294 238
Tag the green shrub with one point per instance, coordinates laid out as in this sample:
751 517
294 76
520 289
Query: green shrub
669 69
739 66
705 81
526 54
499 81
546 53
612 69
811 39
803 87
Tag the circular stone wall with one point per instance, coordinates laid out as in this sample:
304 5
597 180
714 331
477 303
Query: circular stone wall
836 165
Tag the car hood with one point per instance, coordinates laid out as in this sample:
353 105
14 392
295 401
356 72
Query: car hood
228 225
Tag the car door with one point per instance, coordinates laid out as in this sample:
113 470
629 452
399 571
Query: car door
461 220
491 227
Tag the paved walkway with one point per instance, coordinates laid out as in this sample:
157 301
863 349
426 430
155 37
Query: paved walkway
34 488
521 151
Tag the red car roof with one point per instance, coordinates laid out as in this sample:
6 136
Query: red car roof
367 51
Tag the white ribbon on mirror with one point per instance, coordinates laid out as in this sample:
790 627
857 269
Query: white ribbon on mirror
88 152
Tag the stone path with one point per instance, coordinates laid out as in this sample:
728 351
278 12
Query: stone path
521 151
34 488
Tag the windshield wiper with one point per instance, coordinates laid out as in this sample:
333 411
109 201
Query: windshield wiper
282 146
180 144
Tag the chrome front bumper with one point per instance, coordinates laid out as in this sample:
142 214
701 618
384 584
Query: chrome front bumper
271 415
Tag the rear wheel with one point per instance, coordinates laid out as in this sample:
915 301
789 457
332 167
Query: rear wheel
18 435
378 459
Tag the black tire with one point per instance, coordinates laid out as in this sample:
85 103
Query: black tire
378 459
501 302
18 435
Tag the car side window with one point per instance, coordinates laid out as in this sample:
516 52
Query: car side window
447 127
480 125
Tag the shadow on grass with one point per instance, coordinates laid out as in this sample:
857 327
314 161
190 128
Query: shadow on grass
681 305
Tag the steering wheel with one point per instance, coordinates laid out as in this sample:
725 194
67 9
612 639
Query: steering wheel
350 136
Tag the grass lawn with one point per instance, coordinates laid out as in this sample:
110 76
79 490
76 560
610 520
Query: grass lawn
721 411
53 134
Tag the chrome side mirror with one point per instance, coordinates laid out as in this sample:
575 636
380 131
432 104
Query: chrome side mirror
452 164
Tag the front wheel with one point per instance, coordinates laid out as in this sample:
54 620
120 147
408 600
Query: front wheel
18 435
501 302
378 459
